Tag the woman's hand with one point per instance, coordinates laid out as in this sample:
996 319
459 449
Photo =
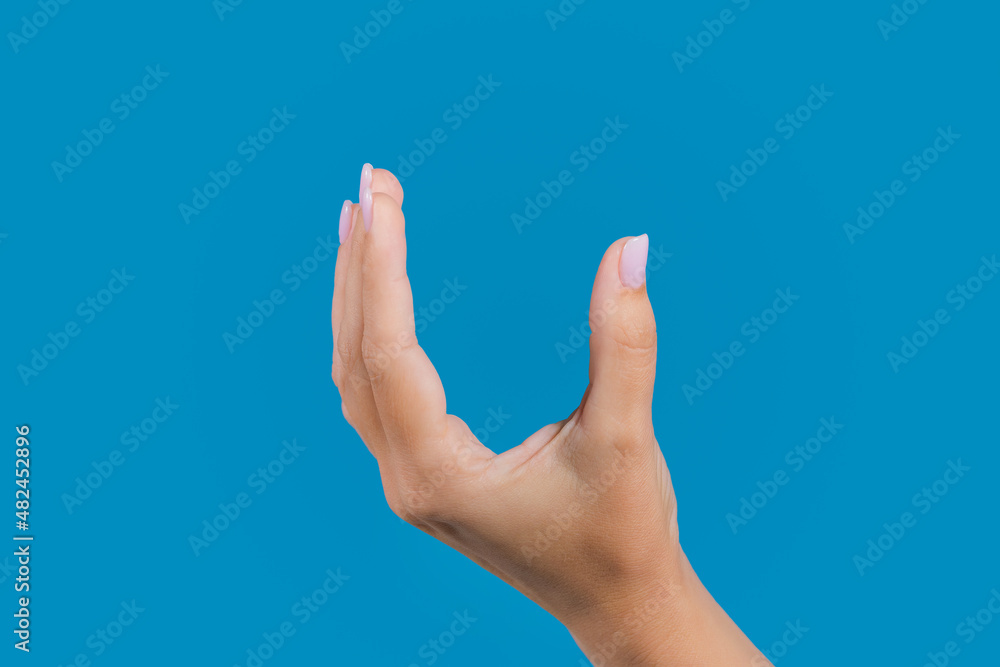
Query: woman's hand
581 517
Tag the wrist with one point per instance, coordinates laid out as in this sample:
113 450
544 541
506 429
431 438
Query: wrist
668 619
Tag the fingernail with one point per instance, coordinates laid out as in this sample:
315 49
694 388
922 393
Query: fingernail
366 179
345 220
632 265
366 207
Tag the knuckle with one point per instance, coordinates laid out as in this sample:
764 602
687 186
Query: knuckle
374 356
378 356
417 504
429 497
400 507
632 336
350 375
345 350
356 380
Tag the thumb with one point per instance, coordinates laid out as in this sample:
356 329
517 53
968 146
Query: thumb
623 338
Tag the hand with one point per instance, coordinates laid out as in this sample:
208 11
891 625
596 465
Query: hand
581 517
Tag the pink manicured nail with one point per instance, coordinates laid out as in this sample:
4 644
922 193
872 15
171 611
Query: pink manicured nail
366 207
632 265
345 220
366 179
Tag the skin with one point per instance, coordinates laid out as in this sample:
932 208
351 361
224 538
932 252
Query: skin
581 517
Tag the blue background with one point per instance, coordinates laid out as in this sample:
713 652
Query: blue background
495 347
